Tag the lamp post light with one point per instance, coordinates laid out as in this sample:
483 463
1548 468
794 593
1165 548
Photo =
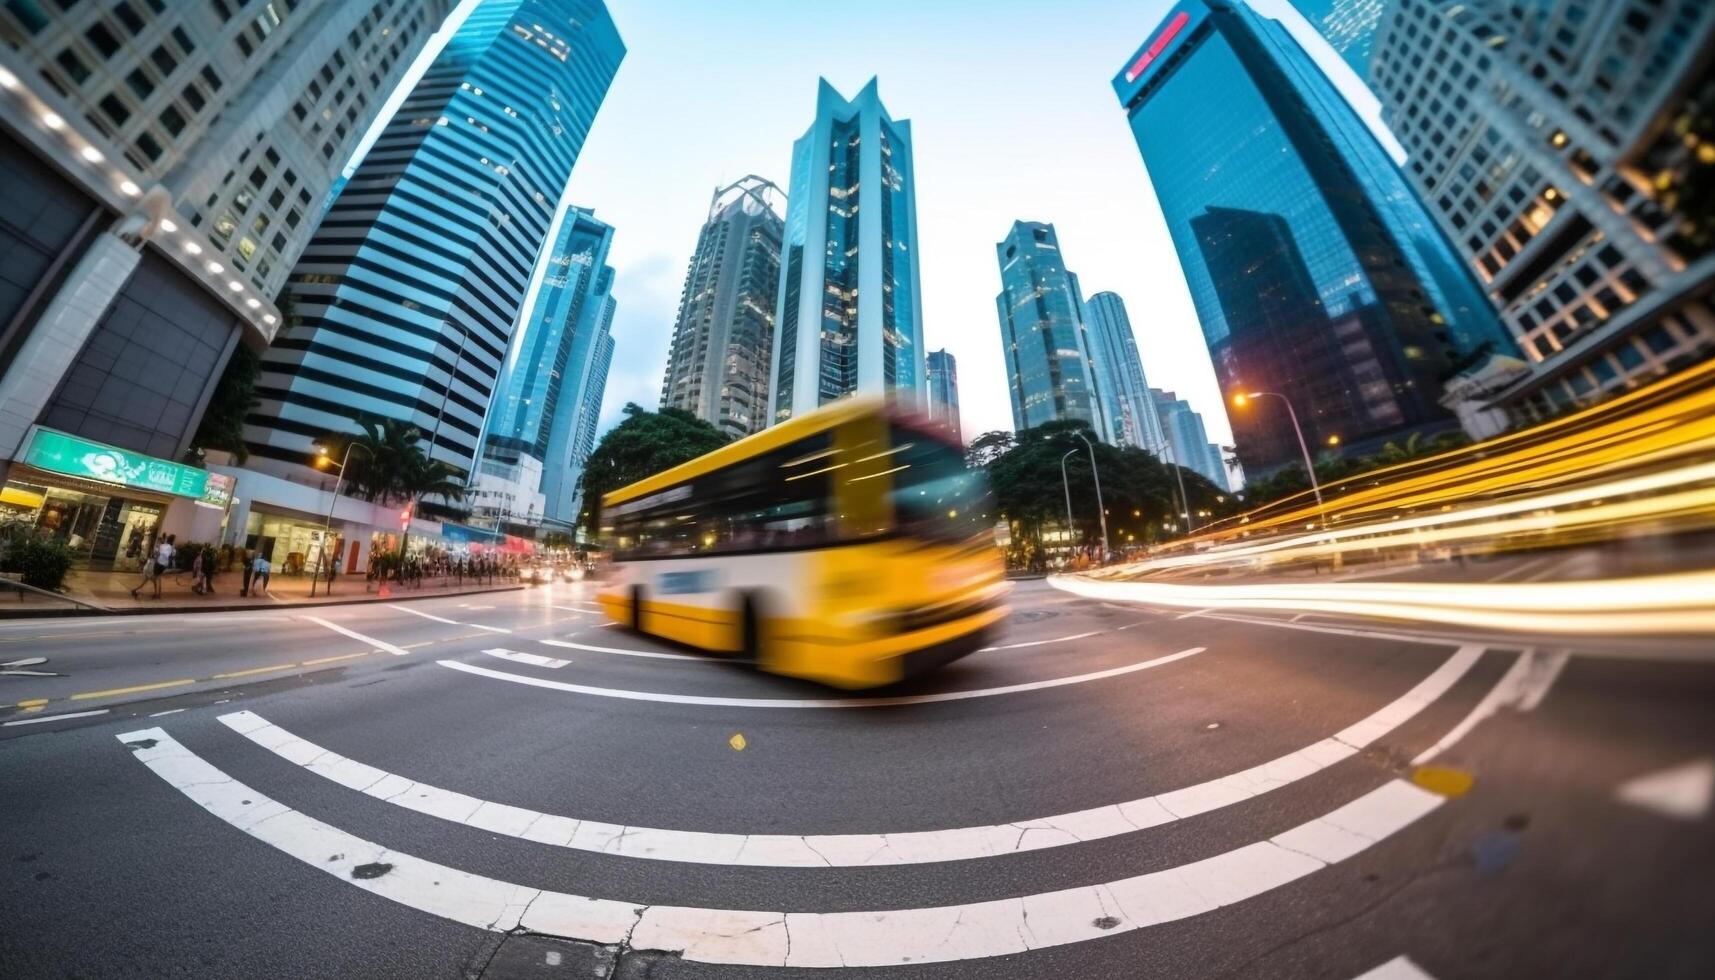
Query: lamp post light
1101 511
1067 486
1166 449
1309 466
327 524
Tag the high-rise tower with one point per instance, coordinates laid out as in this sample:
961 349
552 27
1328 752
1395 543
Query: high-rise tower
944 391
850 313
1120 376
1050 368
723 339
1349 26
412 287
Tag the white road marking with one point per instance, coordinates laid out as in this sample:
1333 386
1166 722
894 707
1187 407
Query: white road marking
1037 643
169 711
798 939
987 692
1398 968
854 850
419 612
1194 612
491 629
39 719
359 637
570 609
527 658
1682 792
568 644
1523 687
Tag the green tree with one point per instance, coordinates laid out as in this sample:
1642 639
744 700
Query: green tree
387 464
642 444
234 398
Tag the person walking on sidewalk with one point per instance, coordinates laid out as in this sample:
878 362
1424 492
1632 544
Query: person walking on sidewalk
248 564
261 569
163 560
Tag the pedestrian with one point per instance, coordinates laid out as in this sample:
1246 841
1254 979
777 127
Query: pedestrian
210 565
196 572
249 566
146 566
262 569
164 554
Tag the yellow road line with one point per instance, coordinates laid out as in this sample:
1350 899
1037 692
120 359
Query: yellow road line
36 703
329 660
130 690
253 670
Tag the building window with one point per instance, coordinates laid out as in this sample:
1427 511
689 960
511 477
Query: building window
147 146
73 66
102 40
193 97
211 78
115 109
173 120
128 17
140 83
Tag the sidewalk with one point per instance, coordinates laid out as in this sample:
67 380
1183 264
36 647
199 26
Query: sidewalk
112 592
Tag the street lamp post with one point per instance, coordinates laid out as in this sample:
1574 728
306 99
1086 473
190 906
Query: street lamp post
1067 486
1303 447
1101 511
1179 477
327 524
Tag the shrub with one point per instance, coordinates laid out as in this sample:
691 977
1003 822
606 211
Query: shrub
44 563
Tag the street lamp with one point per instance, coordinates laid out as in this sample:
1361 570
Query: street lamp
1067 486
327 524
1164 450
1242 397
1100 510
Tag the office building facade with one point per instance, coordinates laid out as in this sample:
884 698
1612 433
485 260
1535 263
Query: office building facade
1349 25
723 339
944 391
163 165
1565 147
530 467
1051 370
1187 439
1314 270
1130 409
410 291
849 318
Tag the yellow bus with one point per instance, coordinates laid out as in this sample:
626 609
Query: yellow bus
849 546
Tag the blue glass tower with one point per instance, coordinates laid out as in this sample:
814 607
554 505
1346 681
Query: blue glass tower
410 291
1315 271
1050 370
850 314
1349 26
1125 389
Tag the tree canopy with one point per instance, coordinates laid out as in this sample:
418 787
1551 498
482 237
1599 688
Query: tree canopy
388 464
642 444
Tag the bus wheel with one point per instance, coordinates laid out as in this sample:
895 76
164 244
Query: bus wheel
749 630
637 608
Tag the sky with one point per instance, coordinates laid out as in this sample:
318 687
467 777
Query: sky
1012 115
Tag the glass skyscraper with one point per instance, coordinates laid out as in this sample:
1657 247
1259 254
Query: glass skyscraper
410 290
850 313
1187 441
1349 26
554 361
1125 389
1314 269
723 339
1050 371
944 391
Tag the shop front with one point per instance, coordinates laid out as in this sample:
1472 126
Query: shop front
292 545
104 503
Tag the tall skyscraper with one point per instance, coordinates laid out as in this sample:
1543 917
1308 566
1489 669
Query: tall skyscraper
850 313
530 467
1050 369
1187 441
410 291
1130 409
944 391
1315 271
1349 26
1566 147
163 163
723 339
589 412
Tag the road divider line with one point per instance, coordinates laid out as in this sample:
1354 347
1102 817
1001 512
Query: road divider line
569 645
39 719
359 637
334 660
134 689
885 702
418 612
853 850
491 629
254 670
797 939
1038 643
527 658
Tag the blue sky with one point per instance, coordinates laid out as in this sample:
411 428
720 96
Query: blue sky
1012 117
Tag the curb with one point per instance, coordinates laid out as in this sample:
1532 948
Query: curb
241 607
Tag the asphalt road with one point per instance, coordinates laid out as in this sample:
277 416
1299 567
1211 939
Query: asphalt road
1116 791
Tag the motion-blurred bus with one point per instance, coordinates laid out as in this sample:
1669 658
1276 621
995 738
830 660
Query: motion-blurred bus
849 546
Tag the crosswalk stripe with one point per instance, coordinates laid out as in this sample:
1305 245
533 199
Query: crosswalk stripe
851 850
1398 968
532 659
359 637
797 939
443 619
885 702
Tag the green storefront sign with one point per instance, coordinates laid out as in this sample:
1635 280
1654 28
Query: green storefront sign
58 452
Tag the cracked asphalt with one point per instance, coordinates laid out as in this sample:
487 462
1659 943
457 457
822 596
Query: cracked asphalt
113 865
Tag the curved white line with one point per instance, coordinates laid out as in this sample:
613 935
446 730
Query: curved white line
852 850
706 701
568 644
799 939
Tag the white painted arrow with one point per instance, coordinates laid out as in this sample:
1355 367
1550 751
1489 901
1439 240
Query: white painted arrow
1682 792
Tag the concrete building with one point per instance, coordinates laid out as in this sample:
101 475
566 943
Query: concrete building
1051 371
1120 376
850 313
412 288
723 338
1566 148
164 164
944 391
